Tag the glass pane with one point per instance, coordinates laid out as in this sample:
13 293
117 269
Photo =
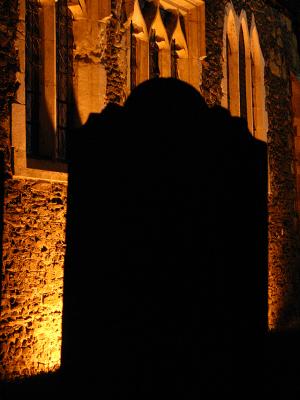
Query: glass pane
32 74
64 74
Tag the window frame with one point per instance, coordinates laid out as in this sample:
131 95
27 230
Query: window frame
22 165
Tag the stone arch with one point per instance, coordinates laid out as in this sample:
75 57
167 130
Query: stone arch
181 51
248 78
138 47
162 41
230 83
260 117
78 8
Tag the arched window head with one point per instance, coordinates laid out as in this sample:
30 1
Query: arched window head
161 23
154 70
64 76
49 87
138 22
230 83
159 47
32 75
242 76
260 117
179 52
245 72
138 47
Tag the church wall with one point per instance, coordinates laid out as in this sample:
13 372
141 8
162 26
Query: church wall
32 282
32 241
279 49
34 209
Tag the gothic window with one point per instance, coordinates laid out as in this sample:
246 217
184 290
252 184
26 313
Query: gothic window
260 116
138 46
253 94
133 54
179 51
228 56
158 36
48 78
64 75
242 76
243 72
230 83
32 75
159 46
154 71
174 62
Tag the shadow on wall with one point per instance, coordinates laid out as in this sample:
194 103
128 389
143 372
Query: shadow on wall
166 264
48 146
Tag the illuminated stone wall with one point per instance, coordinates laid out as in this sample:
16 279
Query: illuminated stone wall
279 48
32 285
8 69
34 209
33 238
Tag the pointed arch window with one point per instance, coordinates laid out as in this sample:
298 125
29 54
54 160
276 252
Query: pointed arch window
230 83
138 45
158 36
64 75
243 72
32 75
133 57
154 71
260 116
179 50
48 78
174 60
228 57
242 76
253 95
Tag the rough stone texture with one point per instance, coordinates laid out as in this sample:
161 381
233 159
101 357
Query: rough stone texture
32 280
33 240
212 66
8 69
279 48
116 54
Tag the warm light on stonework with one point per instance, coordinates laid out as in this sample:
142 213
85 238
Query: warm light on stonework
110 53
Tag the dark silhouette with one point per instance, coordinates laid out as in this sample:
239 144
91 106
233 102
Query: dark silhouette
166 266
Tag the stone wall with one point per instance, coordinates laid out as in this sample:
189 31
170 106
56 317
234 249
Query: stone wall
33 241
279 47
116 55
34 210
8 70
32 282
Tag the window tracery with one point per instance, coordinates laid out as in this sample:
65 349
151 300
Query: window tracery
48 78
228 56
32 74
133 60
243 72
163 26
64 75
50 72
242 76
174 60
154 71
